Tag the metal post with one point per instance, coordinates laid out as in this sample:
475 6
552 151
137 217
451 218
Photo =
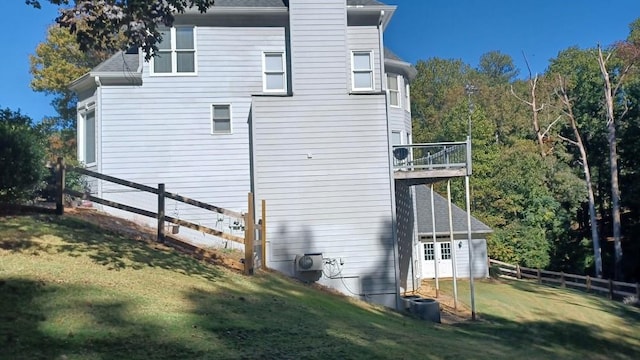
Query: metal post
470 247
60 175
453 248
433 224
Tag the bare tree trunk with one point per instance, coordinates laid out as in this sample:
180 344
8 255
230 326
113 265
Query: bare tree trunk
597 252
533 82
613 164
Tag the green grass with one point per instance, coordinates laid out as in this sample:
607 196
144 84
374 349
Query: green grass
68 290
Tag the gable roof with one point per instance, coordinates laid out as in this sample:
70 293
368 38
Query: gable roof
122 61
459 216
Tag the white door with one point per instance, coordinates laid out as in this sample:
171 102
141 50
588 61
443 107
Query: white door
441 254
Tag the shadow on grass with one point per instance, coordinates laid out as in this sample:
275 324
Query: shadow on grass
106 248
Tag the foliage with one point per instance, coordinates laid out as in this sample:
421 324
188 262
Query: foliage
21 156
97 25
497 67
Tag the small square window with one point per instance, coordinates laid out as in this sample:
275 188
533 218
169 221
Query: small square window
221 119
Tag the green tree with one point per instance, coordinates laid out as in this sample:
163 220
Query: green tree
21 155
98 25
497 67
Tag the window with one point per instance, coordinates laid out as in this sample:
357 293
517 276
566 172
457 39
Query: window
89 137
393 87
221 119
407 96
176 52
445 251
274 79
429 253
396 138
362 68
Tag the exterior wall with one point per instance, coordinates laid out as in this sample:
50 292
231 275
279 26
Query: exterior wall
364 38
480 260
321 160
160 132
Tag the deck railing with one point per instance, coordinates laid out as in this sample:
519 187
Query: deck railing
433 156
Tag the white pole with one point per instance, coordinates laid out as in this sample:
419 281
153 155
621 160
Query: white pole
433 232
470 247
452 249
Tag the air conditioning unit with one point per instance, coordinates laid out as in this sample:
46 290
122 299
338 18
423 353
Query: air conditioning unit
309 262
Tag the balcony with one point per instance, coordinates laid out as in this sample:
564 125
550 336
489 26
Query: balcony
427 163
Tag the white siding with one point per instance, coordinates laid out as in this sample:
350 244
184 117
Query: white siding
365 38
160 132
321 160
480 259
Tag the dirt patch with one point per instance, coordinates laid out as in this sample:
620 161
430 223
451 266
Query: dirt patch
449 313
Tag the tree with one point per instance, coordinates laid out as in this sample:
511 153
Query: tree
577 141
21 156
498 67
97 25
58 61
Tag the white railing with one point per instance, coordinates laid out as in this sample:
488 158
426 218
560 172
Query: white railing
433 156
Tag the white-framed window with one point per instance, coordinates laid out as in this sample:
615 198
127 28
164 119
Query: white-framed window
407 96
445 251
176 53
362 70
221 119
88 137
429 252
274 78
393 87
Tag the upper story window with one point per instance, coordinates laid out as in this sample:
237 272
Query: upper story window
362 70
221 119
393 87
407 96
274 75
176 52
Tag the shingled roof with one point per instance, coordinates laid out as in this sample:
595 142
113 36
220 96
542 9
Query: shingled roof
425 225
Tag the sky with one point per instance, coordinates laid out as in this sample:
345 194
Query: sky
419 30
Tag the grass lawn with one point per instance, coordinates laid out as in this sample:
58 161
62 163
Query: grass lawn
70 290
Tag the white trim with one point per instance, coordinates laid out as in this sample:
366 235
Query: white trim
266 72
174 55
230 118
395 91
82 141
407 96
371 70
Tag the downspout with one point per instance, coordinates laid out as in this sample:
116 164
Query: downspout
98 126
392 190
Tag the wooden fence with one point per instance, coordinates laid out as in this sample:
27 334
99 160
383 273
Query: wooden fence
250 224
613 289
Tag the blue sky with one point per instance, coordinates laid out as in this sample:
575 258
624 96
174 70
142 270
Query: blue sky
420 29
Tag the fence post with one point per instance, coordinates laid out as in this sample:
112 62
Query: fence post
610 288
249 234
588 283
263 234
638 290
518 273
562 283
160 213
60 169
539 277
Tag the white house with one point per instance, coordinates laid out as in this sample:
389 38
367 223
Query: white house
296 101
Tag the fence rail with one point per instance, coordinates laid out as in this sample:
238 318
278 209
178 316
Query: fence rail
613 289
248 218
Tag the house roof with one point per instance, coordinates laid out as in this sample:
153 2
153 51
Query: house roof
128 61
459 216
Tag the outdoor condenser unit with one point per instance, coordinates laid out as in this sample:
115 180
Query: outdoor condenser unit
309 262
